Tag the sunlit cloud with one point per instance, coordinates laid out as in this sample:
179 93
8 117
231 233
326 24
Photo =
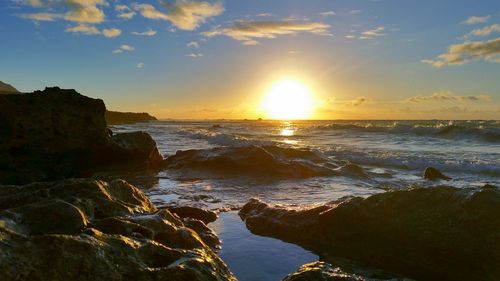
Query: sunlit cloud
183 14
462 53
140 65
148 32
111 32
476 20
124 12
81 11
249 31
485 31
123 48
447 96
42 16
193 44
265 15
84 29
372 33
360 101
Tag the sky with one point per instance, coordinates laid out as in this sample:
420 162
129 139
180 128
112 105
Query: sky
187 59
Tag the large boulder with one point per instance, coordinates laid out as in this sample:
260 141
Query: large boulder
82 229
438 233
55 133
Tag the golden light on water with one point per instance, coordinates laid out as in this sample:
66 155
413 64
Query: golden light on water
288 99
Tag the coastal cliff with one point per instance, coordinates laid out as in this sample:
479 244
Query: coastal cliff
117 118
7 89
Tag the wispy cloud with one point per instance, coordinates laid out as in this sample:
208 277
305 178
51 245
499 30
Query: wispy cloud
123 48
194 55
183 14
447 96
92 30
327 14
149 32
249 31
140 65
360 101
80 11
354 12
476 20
124 12
485 31
462 53
372 33
193 44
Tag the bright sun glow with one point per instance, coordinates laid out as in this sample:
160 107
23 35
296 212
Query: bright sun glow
288 100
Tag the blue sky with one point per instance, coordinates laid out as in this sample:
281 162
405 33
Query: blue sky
212 59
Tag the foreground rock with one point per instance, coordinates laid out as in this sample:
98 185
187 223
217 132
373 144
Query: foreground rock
117 118
256 162
92 230
320 271
439 233
55 133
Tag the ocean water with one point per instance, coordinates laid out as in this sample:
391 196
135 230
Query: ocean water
393 154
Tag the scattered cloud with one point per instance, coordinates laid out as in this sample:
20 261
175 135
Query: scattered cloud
183 14
372 33
327 14
84 29
42 16
350 37
354 12
193 44
447 96
485 31
111 32
148 32
249 31
123 48
476 20
140 65
124 12
265 15
360 101
194 55
462 53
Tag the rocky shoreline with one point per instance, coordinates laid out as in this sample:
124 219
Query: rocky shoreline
65 214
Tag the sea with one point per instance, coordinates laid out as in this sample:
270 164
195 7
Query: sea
393 153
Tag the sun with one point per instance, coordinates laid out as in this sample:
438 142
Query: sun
288 99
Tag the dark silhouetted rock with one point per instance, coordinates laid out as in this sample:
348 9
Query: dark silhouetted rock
55 133
432 173
117 118
205 216
320 271
81 229
438 233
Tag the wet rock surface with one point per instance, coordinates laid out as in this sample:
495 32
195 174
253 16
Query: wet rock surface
56 133
432 173
321 271
82 229
265 162
438 233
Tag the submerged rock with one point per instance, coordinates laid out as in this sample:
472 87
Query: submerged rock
321 271
56 133
438 233
432 173
252 161
81 229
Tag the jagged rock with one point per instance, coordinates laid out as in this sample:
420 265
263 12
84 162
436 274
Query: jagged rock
432 173
117 118
205 216
82 229
56 133
320 271
438 233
